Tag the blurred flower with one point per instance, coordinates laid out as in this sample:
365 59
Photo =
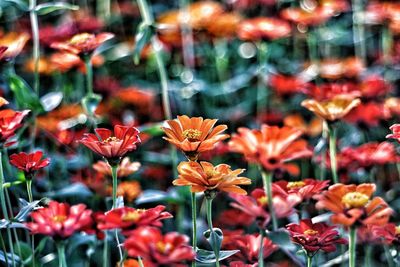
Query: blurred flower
368 114
127 218
285 85
63 62
204 176
10 121
331 110
136 97
271 147
306 189
125 168
134 263
194 135
225 25
392 105
313 128
338 68
112 147
60 220
327 91
12 44
234 217
374 86
352 205
83 43
171 249
129 190
256 29
3 101
315 236
388 233
29 163
46 67
395 132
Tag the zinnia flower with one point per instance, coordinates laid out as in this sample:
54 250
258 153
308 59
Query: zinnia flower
171 249
256 29
352 204
3 101
127 218
60 220
29 163
83 43
129 190
112 147
12 44
272 147
125 168
194 135
331 110
204 176
315 236
305 189
395 132
10 121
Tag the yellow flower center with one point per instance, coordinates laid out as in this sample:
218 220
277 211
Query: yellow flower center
192 135
397 230
59 218
211 173
355 200
132 216
80 38
310 232
161 246
294 185
111 139
263 200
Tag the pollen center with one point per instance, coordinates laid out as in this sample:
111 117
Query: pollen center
81 38
192 135
263 200
132 216
397 230
111 139
295 185
310 232
59 218
355 200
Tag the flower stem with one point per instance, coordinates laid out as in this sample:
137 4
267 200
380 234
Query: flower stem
30 198
358 31
114 173
309 261
194 225
3 247
332 153
105 251
261 252
389 257
35 40
139 259
89 75
267 183
210 225
352 246
61 254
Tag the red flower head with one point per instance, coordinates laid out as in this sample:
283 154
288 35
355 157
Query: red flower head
256 29
288 85
368 114
60 220
389 233
352 204
29 163
315 236
171 249
306 189
128 218
272 147
10 121
395 132
112 147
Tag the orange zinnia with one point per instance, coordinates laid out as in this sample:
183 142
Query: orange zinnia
204 176
333 109
194 135
352 204
271 146
12 44
129 190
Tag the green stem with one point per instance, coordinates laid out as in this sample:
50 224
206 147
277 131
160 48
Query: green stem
61 254
309 261
30 198
139 259
352 246
262 93
89 75
114 173
210 225
358 32
267 183
105 251
368 256
332 153
3 247
389 257
35 40
194 225
261 252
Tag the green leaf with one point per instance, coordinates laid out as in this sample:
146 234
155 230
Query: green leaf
24 95
27 207
26 250
281 238
51 100
207 256
153 129
78 240
47 8
17 3
214 238
152 196
76 189
142 38
91 102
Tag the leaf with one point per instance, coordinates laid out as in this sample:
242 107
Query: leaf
151 196
24 95
38 249
214 238
9 257
77 240
207 256
90 103
51 100
47 8
281 238
76 189
153 129
26 209
142 38
19 4
7 224
26 250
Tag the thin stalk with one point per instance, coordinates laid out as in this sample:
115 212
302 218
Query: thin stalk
309 261
267 184
368 256
261 252
3 247
261 88
352 246
89 75
389 257
358 32
61 254
114 172
104 9
194 225
4 208
210 225
35 40
139 259
332 153
387 43
105 251
30 198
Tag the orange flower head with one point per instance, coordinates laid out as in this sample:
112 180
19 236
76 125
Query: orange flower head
194 135
83 43
225 25
129 190
204 176
125 168
313 128
272 146
12 44
3 102
256 29
352 204
333 109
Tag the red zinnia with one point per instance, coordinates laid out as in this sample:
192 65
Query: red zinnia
395 132
305 189
29 163
10 121
315 236
112 147
60 220
171 249
256 29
